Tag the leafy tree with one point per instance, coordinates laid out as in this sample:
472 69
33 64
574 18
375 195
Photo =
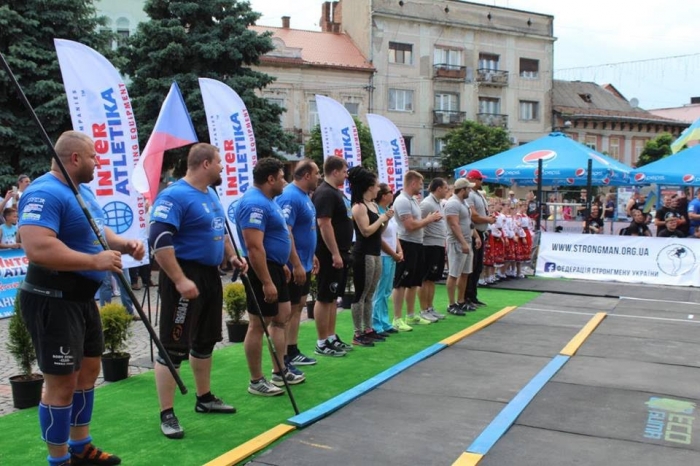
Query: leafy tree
655 149
185 40
314 146
471 142
27 30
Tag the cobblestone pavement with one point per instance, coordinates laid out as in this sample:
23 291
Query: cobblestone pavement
139 347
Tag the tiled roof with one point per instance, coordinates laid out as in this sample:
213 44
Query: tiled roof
687 113
327 49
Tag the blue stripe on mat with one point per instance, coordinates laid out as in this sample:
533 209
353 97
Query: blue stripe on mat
486 440
312 415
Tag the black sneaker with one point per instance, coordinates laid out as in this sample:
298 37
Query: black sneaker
455 310
362 340
467 306
171 427
478 303
216 405
328 350
94 456
374 336
340 344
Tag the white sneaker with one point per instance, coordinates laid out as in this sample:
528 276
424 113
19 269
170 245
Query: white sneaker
482 282
428 316
435 313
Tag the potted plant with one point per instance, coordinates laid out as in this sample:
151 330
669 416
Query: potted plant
27 386
116 323
311 298
235 306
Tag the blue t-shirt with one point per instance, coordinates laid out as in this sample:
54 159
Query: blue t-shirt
9 233
694 207
257 211
300 214
198 218
49 203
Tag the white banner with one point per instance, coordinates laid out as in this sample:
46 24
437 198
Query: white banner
338 133
100 107
231 131
576 226
629 259
390 149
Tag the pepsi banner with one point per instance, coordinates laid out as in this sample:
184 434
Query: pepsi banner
13 269
628 259
390 148
100 107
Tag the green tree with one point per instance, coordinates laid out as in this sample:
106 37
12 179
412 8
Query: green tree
185 40
314 146
471 142
27 30
655 149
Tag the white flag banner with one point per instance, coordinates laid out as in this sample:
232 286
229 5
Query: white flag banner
390 148
629 259
338 133
100 107
231 131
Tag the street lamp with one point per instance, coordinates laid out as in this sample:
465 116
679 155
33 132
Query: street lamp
432 165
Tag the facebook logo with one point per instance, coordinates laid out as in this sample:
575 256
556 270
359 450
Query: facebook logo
550 267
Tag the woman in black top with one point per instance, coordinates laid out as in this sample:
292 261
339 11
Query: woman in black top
367 263
594 223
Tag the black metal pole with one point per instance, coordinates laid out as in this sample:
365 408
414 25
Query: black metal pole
589 193
538 222
103 242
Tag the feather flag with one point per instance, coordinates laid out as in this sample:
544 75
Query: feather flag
173 129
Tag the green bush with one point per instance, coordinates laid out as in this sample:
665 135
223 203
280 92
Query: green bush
19 342
116 323
235 301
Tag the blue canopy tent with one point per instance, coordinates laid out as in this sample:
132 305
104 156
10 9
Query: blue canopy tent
681 169
564 162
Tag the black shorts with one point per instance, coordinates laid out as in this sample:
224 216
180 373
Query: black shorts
410 271
188 322
280 281
434 262
297 292
63 332
331 281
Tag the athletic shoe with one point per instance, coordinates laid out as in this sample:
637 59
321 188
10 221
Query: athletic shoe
302 360
340 344
401 325
384 335
417 320
264 388
293 369
291 377
329 350
428 316
482 282
361 340
467 306
216 405
391 330
455 310
170 427
478 303
435 313
373 336
94 456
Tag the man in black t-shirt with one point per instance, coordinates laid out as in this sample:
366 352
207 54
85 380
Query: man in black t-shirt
671 230
638 227
665 212
334 217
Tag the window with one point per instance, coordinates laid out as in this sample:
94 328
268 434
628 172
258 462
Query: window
439 146
489 105
529 68
591 141
488 61
313 115
400 100
447 102
614 148
448 57
407 141
352 107
122 31
638 148
400 53
529 110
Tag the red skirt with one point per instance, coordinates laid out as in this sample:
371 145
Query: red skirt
510 250
488 252
497 250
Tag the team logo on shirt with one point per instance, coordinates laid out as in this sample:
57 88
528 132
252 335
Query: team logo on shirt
162 210
217 224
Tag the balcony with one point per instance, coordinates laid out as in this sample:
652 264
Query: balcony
492 119
489 77
448 118
447 71
425 163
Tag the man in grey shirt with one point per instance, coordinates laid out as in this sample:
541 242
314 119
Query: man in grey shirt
481 220
409 275
434 236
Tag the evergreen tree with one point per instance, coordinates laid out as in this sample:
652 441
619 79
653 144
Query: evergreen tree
314 146
185 40
27 31
655 149
472 142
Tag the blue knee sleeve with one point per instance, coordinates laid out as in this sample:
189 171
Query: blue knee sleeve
55 423
82 407
77 447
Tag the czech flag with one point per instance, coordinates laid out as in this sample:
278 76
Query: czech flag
173 129
691 133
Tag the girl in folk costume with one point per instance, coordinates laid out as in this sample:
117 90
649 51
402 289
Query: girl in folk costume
499 244
488 275
511 241
521 252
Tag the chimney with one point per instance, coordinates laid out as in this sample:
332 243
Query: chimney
695 100
330 17
285 22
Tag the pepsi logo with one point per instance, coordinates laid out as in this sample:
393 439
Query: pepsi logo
639 177
462 173
545 155
570 181
500 172
688 178
605 181
580 171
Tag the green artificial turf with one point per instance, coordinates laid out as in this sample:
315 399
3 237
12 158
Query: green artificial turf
126 415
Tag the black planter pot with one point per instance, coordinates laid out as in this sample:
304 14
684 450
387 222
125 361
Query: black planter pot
310 308
26 392
115 367
236 331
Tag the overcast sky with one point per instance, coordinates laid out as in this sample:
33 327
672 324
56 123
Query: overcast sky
591 33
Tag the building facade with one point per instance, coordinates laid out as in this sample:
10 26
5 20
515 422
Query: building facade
123 17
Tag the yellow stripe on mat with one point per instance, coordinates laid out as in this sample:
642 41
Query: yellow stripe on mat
451 340
252 446
468 459
573 346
